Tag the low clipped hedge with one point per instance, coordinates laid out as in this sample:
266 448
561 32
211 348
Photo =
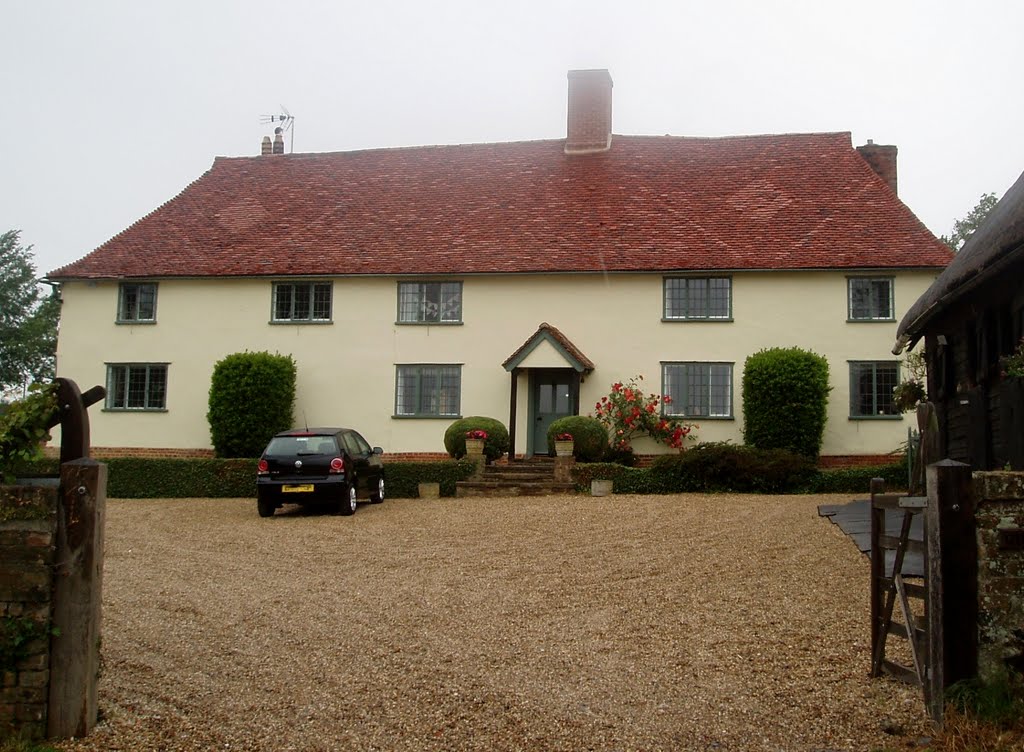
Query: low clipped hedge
150 478
402 479
737 469
744 470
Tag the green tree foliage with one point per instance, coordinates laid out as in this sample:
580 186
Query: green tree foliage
23 429
964 228
785 400
495 445
251 399
28 318
589 436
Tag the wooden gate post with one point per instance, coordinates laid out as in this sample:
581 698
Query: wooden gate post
77 593
952 581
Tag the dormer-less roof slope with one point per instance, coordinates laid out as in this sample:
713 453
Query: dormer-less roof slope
989 252
647 204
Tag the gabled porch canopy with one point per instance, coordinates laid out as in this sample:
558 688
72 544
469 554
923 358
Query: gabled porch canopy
546 350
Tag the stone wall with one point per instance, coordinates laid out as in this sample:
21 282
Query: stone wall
999 514
27 528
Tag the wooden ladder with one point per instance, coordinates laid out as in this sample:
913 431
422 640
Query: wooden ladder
891 587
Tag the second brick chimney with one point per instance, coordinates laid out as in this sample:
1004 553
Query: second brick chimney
882 160
590 112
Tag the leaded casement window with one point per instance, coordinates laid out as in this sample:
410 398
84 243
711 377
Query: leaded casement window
136 302
870 298
698 298
136 386
697 390
430 302
427 390
302 301
871 385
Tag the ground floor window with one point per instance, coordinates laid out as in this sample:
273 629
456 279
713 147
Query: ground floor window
697 390
136 386
871 385
428 390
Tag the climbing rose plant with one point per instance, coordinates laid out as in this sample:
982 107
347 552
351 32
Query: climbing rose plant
627 412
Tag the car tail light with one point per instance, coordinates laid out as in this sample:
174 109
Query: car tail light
262 468
337 465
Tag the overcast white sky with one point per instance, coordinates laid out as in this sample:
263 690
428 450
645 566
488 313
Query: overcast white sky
111 107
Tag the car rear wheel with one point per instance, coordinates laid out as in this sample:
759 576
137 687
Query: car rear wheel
265 508
378 497
348 505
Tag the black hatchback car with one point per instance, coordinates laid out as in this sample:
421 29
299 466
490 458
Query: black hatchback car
331 466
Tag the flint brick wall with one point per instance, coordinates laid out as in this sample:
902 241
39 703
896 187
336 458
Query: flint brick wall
26 585
999 516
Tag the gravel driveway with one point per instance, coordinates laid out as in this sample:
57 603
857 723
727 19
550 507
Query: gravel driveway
561 623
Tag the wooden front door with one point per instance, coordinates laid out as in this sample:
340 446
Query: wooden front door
553 394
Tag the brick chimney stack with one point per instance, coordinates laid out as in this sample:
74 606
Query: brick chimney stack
266 147
590 112
882 160
278 140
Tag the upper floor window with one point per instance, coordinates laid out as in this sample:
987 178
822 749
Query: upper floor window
871 385
136 386
698 298
429 302
302 301
428 390
697 390
870 299
136 302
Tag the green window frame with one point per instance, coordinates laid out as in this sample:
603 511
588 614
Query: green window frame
428 390
136 386
697 389
871 386
430 302
302 302
136 303
870 299
697 299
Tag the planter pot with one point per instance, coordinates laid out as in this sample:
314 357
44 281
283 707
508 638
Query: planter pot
429 490
563 448
600 487
474 446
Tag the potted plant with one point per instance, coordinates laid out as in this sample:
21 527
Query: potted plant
475 441
564 445
910 392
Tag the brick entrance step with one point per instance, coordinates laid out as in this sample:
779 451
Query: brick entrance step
531 477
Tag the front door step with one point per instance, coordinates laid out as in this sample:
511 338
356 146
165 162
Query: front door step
534 477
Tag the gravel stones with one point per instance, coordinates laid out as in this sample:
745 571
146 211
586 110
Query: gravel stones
682 622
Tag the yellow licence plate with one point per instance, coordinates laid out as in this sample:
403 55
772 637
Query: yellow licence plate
297 489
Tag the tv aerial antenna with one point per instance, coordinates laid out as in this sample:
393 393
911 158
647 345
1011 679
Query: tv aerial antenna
287 121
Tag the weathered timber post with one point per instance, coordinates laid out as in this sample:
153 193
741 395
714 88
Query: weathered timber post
877 573
952 581
77 593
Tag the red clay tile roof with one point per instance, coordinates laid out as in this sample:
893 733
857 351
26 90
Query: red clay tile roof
574 352
649 204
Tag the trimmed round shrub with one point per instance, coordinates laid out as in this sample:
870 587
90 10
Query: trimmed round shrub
495 445
251 399
785 400
590 439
